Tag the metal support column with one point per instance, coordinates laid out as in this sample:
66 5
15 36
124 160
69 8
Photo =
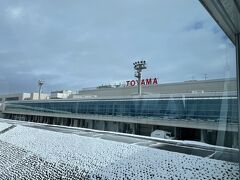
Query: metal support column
203 135
139 85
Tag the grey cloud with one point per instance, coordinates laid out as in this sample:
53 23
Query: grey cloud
78 44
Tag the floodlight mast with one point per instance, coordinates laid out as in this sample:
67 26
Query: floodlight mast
40 84
139 66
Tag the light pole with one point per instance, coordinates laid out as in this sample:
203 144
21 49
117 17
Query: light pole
40 84
205 76
139 66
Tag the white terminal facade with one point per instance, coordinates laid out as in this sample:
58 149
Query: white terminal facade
190 110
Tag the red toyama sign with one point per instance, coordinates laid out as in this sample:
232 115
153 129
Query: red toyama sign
150 81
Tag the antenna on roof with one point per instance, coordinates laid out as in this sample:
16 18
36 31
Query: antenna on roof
205 76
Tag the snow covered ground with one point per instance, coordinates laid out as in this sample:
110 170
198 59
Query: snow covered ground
29 152
4 126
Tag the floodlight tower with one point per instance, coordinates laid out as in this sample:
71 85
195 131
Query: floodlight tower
40 84
139 66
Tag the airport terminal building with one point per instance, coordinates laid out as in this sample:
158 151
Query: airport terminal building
190 110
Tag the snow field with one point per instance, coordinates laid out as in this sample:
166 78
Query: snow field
17 163
102 159
4 126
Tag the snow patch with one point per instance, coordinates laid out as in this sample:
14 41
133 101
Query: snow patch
114 160
4 126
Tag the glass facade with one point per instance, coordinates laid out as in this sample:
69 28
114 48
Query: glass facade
205 109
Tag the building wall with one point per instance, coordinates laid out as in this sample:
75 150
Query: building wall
22 96
191 87
35 96
115 119
13 97
63 94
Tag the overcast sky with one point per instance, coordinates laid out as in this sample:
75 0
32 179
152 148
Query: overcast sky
73 44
